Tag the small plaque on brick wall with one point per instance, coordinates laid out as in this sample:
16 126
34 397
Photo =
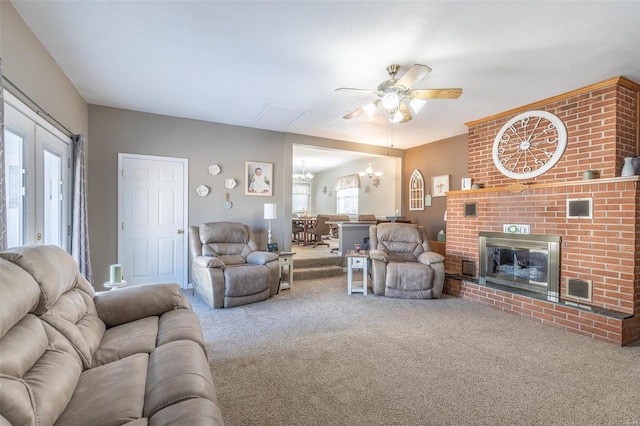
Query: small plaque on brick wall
512 228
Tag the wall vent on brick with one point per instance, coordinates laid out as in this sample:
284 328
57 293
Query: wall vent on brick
579 289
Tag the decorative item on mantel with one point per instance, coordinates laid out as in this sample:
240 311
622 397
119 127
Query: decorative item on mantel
631 166
588 175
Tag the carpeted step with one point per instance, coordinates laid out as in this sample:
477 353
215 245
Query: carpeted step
299 263
314 272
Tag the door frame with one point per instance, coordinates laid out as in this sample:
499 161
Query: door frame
185 204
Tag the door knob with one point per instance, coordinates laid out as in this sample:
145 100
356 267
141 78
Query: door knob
180 231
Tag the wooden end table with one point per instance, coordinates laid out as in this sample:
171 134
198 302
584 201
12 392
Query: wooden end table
357 260
285 258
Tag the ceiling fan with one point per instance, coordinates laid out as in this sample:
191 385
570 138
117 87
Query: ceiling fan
397 97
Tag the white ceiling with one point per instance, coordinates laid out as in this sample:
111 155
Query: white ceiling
256 63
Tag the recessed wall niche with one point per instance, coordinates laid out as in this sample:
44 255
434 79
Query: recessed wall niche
470 210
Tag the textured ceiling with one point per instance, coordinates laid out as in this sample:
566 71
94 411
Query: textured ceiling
274 65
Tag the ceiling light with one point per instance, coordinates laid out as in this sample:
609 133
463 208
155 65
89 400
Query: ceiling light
371 174
390 100
417 104
303 175
370 109
396 117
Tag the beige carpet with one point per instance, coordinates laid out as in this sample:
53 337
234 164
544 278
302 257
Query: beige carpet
315 356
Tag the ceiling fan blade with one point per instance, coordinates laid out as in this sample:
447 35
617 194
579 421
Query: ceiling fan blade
354 114
435 93
368 109
414 75
404 109
350 89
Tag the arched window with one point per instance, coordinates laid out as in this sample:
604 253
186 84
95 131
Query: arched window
416 191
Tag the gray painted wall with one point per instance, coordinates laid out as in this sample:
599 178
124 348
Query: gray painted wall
203 143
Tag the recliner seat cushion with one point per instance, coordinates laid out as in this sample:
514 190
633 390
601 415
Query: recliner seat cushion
121 383
124 340
245 280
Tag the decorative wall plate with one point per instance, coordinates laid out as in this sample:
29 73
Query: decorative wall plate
230 183
529 144
202 190
214 169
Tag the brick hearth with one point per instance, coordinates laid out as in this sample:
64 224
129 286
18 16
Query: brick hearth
602 126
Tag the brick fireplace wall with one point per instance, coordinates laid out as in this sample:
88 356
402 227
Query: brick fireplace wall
602 127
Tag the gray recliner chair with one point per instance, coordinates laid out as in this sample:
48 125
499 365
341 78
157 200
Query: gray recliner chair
227 269
402 264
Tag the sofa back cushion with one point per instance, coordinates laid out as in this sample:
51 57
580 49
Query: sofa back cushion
19 295
38 373
232 242
66 298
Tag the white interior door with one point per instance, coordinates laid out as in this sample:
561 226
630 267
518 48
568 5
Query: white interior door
152 206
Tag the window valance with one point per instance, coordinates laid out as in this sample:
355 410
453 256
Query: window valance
346 182
302 188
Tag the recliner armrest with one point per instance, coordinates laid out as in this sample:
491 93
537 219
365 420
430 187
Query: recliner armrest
261 257
209 262
132 303
429 258
379 255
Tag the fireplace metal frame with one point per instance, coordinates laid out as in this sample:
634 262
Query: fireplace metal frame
523 241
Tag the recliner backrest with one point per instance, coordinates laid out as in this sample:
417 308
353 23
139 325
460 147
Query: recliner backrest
403 241
232 242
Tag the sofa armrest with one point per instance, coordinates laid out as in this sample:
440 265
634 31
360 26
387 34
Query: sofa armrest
379 255
429 258
209 262
128 304
261 257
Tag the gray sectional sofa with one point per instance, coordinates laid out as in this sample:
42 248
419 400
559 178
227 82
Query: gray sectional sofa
68 356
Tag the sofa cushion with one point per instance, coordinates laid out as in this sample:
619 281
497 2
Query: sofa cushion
178 371
19 295
53 269
192 412
30 370
74 315
180 324
112 394
124 340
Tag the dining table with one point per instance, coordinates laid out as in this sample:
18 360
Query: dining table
303 223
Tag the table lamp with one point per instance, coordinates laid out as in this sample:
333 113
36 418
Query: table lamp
269 213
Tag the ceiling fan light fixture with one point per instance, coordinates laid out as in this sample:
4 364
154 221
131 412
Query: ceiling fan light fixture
390 100
396 117
417 104
370 109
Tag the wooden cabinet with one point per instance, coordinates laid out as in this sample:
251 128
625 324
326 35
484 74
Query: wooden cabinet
439 247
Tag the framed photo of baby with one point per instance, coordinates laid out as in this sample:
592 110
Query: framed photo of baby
259 178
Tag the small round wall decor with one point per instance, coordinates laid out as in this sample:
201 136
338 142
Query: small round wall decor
202 190
529 144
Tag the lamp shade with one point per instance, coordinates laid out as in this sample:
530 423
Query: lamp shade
269 210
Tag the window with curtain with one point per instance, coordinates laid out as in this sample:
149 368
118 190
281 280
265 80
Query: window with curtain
347 189
301 199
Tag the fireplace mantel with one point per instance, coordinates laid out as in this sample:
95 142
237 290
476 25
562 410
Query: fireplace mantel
548 185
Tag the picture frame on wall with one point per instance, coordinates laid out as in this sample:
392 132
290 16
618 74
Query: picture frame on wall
259 178
440 185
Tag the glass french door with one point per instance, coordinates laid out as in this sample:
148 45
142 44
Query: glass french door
37 177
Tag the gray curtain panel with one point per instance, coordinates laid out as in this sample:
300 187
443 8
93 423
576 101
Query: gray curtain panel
80 225
3 201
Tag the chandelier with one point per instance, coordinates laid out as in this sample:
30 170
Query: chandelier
375 176
303 175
